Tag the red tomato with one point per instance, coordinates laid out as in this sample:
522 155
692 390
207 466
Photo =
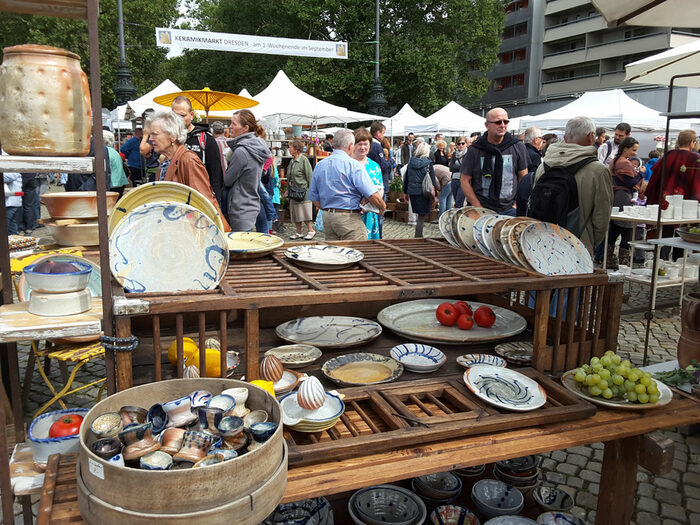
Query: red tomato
446 314
484 316
461 307
68 425
465 322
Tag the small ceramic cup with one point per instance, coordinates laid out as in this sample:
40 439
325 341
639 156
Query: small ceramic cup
241 396
117 460
157 460
256 416
179 413
231 426
195 445
199 398
106 447
138 440
159 417
263 431
227 454
133 414
222 401
171 440
209 418
211 459
107 425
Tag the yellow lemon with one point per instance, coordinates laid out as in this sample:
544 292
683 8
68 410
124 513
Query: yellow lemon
213 361
188 347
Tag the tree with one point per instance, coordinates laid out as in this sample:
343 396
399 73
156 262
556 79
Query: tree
431 52
140 18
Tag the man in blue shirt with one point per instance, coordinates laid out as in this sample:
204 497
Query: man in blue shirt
339 186
134 161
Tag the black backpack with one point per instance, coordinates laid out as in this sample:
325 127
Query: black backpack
555 195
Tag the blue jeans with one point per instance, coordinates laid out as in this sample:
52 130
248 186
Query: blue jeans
267 212
457 193
13 213
28 217
510 211
445 199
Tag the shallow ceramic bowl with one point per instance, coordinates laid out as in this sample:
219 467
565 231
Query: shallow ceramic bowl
83 234
453 515
432 502
231 426
385 504
107 425
354 514
58 282
261 432
552 499
468 360
76 204
42 445
222 401
440 485
495 498
106 447
256 416
368 369
418 357
157 460
333 407
59 304
295 356
558 518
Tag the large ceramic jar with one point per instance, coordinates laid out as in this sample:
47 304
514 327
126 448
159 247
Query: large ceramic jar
44 102
689 341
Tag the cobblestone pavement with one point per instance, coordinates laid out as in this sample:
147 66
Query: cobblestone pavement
667 500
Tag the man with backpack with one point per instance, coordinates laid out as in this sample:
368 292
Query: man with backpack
572 188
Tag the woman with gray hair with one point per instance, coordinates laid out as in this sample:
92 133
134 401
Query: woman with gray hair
418 167
118 178
168 135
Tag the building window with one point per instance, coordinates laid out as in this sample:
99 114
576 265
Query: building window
519 54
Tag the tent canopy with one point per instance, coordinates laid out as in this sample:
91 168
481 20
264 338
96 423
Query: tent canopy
657 13
451 119
659 68
406 116
607 109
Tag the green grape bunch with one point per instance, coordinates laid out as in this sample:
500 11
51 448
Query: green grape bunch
612 377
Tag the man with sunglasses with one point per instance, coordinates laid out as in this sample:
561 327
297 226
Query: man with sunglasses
493 165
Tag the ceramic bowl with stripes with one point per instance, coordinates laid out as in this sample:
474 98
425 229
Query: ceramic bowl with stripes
417 357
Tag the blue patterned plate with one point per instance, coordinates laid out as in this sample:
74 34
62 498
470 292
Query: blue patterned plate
323 256
329 331
167 247
468 360
418 358
553 250
505 388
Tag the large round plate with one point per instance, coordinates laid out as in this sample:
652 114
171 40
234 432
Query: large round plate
517 352
295 356
24 292
505 388
464 231
665 395
498 247
362 369
163 192
513 232
167 247
329 331
553 250
251 245
486 235
323 256
416 320
445 224
478 234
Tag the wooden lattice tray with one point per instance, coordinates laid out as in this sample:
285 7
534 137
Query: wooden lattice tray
379 418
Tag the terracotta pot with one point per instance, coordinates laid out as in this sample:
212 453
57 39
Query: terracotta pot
689 341
44 102
76 204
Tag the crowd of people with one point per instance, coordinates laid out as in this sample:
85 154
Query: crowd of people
574 182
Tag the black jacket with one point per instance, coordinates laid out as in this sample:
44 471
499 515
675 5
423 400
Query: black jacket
210 155
534 157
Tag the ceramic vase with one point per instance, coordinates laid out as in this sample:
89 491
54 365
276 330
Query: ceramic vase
195 446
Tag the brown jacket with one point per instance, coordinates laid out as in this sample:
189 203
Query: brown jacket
186 168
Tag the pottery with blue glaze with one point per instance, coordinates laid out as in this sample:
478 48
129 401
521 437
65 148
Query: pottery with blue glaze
231 426
138 440
209 418
468 360
159 417
323 256
195 445
199 398
505 388
179 412
553 250
261 432
227 453
222 401
329 331
211 459
419 358
157 460
117 460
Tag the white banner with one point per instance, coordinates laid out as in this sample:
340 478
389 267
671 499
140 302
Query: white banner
186 39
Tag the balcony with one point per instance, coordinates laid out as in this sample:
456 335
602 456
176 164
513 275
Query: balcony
585 83
511 68
574 28
521 15
516 42
564 58
557 6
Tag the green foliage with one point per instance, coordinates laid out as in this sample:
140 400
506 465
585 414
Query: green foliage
140 19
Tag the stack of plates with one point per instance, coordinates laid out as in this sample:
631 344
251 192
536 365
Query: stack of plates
522 473
305 420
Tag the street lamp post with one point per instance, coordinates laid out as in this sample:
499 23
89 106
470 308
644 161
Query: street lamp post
377 103
124 89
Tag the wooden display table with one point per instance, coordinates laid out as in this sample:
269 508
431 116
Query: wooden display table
620 430
17 324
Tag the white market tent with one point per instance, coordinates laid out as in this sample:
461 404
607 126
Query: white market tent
121 115
450 120
404 117
659 68
607 109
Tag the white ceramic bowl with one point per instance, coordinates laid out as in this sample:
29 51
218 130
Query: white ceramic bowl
495 498
417 357
42 445
59 304
58 282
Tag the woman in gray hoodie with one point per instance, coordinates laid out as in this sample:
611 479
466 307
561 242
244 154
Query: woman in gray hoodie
242 179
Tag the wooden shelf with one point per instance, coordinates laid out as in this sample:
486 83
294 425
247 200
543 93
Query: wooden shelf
23 164
17 324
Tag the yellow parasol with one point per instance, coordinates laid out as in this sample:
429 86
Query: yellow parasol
206 99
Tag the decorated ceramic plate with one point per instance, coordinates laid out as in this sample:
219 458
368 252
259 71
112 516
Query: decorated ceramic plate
323 256
329 331
464 231
24 292
495 240
517 352
486 232
416 320
514 238
163 192
417 357
478 234
553 250
506 242
362 369
295 356
251 245
167 247
468 360
445 224
665 395
505 388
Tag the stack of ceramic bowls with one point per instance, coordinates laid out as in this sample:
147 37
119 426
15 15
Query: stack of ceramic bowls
494 498
386 504
74 216
523 473
316 420
437 489
470 475
58 288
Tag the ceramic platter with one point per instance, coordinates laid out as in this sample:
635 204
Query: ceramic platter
445 224
517 352
24 292
487 230
478 234
505 388
362 369
419 358
323 256
510 238
416 320
665 395
251 245
553 250
167 247
469 360
295 356
305 420
163 192
329 331
462 225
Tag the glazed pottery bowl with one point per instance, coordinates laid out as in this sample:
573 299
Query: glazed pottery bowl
76 204
82 234
42 445
199 398
453 515
66 281
558 518
59 304
227 454
385 504
157 460
223 402
468 360
157 416
552 499
439 486
179 413
255 416
171 440
240 395
133 414
211 459
495 498
261 432
510 520
231 426
419 358
117 460
107 425
106 447
138 440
